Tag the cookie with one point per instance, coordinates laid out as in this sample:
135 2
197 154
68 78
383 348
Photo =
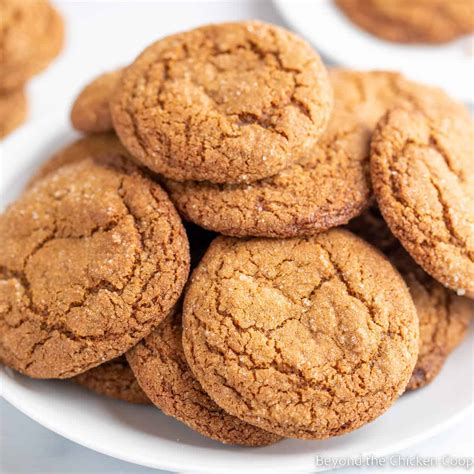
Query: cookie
233 102
329 186
423 176
370 94
92 146
93 257
114 379
160 367
31 35
408 21
90 112
13 111
444 317
306 338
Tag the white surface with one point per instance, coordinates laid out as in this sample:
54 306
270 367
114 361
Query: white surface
449 66
102 36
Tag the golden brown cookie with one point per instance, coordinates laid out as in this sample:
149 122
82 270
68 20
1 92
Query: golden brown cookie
114 379
13 111
370 94
307 338
412 21
329 186
161 369
233 102
444 317
93 257
90 112
31 35
423 177
92 146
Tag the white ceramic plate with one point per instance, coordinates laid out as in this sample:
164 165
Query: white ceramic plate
143 435
449 66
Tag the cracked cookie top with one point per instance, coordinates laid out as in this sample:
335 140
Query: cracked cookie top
307 338
444 317
93 257
114 379
228 103
31 35
161 369
423 177
90 112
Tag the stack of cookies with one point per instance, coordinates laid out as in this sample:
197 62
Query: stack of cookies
31 35
328 218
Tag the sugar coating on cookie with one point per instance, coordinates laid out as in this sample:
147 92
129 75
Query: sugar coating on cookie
93 257
307 338
329 186
162 371
444 317
91 146
31 35
90 112
408 21
114 379
423 176
232 102
13 111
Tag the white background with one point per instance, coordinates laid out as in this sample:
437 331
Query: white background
102 36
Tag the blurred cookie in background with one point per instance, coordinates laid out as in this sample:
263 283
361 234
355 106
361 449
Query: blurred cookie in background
31 35
13 111
412 21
